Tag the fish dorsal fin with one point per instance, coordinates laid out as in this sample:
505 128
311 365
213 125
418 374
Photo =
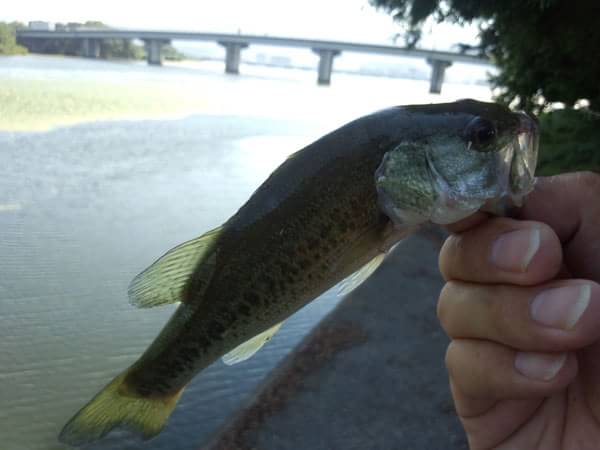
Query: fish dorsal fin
163 282
250 347
356 279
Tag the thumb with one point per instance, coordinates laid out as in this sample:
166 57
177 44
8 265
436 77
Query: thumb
570 204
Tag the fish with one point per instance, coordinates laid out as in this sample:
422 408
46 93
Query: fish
330 212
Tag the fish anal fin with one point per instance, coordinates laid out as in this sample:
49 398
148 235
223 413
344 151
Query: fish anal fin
244 351
358 277
164 281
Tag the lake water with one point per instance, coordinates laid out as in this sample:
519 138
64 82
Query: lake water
84 208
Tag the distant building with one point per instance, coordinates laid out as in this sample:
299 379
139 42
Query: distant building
40 25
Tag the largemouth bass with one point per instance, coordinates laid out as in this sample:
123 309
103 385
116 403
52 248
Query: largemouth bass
330 209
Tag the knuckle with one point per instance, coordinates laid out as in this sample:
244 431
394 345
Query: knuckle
499 303
444 308
551 248
441 309
589 179
589 185
449 255
454 358
449 358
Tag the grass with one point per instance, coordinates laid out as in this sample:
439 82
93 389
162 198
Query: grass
37 105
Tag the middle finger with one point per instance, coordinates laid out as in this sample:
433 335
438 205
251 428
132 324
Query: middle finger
502 250
558 316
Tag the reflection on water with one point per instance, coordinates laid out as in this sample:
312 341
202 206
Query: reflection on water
85 208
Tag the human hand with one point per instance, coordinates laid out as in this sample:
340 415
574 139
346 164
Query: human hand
522 308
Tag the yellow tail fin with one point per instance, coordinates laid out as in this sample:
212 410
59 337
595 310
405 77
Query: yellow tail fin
111 408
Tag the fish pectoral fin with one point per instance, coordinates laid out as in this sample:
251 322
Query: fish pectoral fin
164 281
250 347
357 278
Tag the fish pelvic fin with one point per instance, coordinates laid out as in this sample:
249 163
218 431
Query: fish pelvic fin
246 350
114 406
164 281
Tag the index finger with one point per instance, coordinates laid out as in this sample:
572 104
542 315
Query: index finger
502 250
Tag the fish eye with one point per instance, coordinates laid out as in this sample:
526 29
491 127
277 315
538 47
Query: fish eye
480 133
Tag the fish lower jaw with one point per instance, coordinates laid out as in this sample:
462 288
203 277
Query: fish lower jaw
446 217
441 213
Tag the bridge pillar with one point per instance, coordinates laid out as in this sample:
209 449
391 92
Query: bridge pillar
233 55
325 64
438 69
90 48
154 51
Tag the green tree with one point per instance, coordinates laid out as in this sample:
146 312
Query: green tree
545 49
109 48
8 41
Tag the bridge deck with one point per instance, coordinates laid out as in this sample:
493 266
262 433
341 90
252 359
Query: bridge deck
253 39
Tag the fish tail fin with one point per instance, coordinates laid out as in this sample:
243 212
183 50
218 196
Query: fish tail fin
113 406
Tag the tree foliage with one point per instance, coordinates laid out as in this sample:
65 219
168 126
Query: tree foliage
545 49
8 41
109 48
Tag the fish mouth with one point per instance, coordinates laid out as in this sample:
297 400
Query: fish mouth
524 158
517 164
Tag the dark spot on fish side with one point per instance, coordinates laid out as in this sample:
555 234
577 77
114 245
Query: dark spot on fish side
245 309
190 353
216 329
202 342
325 231
251 297
228 315
342 227
303 263
267 281
285 267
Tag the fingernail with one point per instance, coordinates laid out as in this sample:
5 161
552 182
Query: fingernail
561 307
514 251
539 366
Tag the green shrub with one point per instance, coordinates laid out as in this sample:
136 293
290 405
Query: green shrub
569 141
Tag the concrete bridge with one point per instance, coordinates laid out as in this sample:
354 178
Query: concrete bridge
235 43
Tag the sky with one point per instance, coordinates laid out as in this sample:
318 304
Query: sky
348 20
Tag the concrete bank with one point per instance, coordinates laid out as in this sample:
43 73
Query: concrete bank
370 376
